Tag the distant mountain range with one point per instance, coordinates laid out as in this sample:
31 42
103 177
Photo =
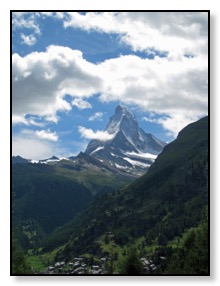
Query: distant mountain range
50 193
19 160
130 151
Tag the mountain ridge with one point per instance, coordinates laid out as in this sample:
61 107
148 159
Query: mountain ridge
130 146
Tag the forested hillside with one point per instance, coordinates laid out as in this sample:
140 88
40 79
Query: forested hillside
47 196
159 213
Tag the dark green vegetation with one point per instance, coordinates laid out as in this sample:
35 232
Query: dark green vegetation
163 214
49 195
156 210
46 198
19 263
192 256
131 264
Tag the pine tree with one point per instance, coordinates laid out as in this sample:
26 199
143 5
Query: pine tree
18 263
131 265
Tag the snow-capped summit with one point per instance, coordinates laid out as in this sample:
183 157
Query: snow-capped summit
131 149
51 159
123 119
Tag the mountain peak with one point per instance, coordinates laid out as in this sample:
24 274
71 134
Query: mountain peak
122 117
120 109
131 150
53 158
123 111
19 159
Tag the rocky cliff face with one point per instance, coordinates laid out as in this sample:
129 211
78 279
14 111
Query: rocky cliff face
131 150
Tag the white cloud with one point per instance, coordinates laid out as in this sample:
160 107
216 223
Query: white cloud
176 122
39 134
32 21
29 40
174 32
96 116
32 121
57 15
48 14
148 119
97 135
178 31
37 145
40 80
52 118
31 148
81 104
16 119
47 135
162 86
182 32
26 20
176 85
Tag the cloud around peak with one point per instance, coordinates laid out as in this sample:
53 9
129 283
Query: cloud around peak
97 135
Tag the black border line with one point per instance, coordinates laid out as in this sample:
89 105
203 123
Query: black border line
108 275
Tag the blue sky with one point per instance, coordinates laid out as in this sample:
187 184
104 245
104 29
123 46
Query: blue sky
70 70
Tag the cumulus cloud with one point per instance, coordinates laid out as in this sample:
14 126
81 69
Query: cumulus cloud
40 134
47 135
96 116
176 121
29 40
81 104
26 20
31 21
98 135
184 32
175 85
173 122
162 86
174 32
149 119
40 80
141 30
16 119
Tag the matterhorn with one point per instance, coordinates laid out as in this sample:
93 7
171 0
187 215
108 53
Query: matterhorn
130 148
